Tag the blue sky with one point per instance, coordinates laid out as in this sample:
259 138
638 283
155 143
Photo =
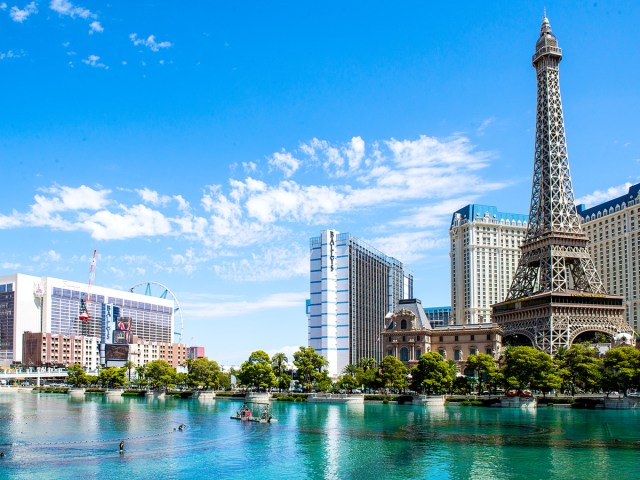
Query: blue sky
201 145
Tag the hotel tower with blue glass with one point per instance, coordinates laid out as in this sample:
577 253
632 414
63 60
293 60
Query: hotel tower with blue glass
353 287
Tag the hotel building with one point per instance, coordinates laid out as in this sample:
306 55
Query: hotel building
352 287
49 308
409 334
485 249
612 228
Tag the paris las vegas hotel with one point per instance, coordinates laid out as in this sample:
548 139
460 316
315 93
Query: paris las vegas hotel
40 325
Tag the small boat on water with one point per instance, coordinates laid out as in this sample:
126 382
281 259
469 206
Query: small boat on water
245 414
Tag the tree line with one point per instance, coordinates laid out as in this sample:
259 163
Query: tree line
577 369
156 375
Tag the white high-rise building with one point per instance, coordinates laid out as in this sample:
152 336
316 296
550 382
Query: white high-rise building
485 249
51 306
612 228
352 287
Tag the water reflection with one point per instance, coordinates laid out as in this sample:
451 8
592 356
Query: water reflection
56 433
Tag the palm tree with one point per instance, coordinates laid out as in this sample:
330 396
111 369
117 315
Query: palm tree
368 364
279 363
129 365
141 371
350 370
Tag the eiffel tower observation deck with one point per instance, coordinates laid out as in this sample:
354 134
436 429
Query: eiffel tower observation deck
556 294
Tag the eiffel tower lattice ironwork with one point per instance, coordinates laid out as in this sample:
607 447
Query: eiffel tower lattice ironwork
556 293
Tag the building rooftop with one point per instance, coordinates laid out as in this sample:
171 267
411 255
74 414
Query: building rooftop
475 211
632 194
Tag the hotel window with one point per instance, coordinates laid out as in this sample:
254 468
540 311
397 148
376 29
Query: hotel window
404 354
457 355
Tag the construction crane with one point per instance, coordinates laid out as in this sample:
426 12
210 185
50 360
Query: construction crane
84 302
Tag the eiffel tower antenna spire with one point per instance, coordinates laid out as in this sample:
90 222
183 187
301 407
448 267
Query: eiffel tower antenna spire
555 265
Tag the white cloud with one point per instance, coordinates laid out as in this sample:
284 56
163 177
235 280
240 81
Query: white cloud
135 221
11 266
10 221
52 256
70 198
94 61
11 54
486 123
47 209
249 167
267 264
95 27
600 196
383 181
153 197
285 162
3 6
239 307
66 8
149 42
409 247
433 215
20 15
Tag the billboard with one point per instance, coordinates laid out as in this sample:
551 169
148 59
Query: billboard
122 334
116 353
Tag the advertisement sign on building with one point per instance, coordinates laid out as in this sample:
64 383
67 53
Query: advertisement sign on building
116 355
110 314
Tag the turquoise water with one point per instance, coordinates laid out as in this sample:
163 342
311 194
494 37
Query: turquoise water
55 436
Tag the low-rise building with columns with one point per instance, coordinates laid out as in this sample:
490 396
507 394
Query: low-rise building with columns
408 334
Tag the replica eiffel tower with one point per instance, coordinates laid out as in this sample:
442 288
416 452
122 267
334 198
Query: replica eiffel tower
556 293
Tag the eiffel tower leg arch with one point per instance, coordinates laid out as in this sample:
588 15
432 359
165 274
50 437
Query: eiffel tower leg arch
586 321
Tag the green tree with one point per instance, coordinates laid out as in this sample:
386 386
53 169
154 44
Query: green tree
347 382
394 373
257 371
369 378
279 364
350 369
76 375
225 380
368 364
579 366
129 365
112 377
311 368
433 374
484 367
203 373
528 367
621 369
160 374
182 379
141 375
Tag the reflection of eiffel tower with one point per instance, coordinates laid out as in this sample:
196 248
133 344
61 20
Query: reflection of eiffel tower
556 293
